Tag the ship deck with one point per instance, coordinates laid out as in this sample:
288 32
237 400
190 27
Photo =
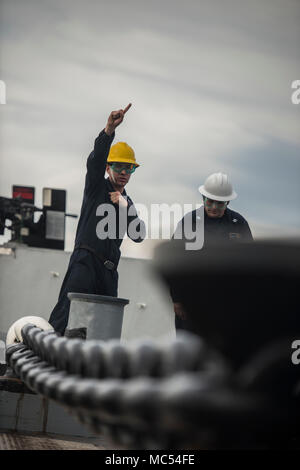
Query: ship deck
12 440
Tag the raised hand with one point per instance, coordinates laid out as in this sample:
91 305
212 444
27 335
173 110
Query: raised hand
117 198
114 119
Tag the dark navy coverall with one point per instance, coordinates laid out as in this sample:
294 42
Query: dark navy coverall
230 228
86 271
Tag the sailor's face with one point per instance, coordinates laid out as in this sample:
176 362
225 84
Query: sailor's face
214 209
119 178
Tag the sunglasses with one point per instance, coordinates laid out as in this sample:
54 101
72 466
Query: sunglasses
218 204
119 167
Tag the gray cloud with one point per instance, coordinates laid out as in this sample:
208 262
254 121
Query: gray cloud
210 87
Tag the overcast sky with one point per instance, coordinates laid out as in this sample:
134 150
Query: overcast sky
210 83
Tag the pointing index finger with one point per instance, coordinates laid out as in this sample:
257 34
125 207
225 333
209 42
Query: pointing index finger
127 107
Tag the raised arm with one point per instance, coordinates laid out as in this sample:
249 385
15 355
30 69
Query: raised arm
96 162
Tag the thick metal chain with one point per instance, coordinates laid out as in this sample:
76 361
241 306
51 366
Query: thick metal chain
101 359
144 394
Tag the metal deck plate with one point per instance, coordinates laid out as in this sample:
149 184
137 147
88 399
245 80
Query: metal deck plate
23 441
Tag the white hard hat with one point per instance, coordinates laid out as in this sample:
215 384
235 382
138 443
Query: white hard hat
218 187
14 334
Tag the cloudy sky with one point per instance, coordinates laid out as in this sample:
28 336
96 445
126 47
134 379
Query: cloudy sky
210 83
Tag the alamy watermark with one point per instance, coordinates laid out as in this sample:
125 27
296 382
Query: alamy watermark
2 92
2 352
295 97
296 354
158 222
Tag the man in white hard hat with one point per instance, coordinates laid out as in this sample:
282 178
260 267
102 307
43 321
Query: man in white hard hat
221 224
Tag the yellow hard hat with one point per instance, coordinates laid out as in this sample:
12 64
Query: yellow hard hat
121 152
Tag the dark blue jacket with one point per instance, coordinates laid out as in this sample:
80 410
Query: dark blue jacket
96 192
230 228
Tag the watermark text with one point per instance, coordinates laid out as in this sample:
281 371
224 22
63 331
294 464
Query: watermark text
296 354
2 92
295 97
160 221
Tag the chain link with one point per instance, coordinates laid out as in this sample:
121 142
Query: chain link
146 393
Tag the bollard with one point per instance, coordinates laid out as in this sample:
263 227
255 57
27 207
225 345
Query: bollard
240 297
95 316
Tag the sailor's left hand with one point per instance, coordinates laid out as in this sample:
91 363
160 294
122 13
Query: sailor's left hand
117 198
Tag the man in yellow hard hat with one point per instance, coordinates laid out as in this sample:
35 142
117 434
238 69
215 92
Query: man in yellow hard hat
93 264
